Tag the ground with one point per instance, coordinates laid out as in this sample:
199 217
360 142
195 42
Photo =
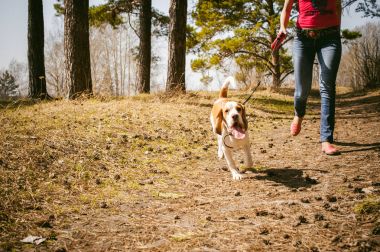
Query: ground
142 174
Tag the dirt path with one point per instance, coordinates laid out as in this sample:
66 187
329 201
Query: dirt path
183 199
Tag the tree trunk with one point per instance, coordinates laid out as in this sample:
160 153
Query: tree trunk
276 74
77 48
144 60
36 59
177 46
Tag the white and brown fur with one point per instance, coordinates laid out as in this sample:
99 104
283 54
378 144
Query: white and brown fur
224 114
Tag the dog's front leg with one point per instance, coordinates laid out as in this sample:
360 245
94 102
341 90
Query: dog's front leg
248 156
231 164
220 147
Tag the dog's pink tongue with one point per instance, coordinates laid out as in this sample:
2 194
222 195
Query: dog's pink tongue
238 132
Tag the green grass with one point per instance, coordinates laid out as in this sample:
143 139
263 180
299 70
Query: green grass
371 205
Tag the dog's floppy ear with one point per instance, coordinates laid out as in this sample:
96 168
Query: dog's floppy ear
218 122
217 114
244 117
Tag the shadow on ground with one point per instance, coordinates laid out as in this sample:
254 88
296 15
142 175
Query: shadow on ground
292 178
359 146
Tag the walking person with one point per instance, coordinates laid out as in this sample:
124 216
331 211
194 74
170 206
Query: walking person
317 34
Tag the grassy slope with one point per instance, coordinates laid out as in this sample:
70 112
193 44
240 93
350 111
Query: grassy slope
65 158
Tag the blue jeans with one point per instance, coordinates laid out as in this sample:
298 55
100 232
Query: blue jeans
329 51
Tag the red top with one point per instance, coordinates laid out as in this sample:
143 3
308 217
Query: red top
317 14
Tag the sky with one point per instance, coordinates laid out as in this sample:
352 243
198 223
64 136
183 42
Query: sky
13 25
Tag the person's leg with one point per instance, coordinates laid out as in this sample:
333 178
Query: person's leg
329 53
303 59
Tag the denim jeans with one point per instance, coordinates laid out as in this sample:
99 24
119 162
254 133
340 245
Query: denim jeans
328 50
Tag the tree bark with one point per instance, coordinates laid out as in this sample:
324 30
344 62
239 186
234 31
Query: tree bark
144 60
177 46
36 58
276 74
77 48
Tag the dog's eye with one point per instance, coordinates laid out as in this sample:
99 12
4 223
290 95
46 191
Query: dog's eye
238 109
227 110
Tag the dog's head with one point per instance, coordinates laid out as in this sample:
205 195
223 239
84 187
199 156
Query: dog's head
234 116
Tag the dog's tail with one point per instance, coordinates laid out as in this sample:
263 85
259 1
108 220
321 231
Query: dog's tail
223 91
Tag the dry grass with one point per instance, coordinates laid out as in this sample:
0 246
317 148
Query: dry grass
61 161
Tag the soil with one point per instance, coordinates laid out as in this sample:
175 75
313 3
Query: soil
142 174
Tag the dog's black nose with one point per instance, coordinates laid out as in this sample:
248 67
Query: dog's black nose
235 117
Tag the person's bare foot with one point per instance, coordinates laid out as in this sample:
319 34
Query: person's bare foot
295 127
329 149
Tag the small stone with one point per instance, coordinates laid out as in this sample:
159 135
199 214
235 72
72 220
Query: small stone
360 196
224 168
267 242
103 204
286 236
376 230
305 200
314 249
98 181
368 190
297 243
117 177
280 216
242 218
331 198
326 206
319 198
237 193
333 209
358 190
208 218
270 145
177 217
318 217
261 213
375 183
263 151
358 178
264 231
350 185
301 189
326 225
345 179
336 239
146 182
302 219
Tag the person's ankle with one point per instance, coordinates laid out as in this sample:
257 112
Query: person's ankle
297 119
326 143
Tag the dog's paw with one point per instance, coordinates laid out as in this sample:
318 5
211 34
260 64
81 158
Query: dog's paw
236 175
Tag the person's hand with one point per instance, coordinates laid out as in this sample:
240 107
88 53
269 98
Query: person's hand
277 43
282 30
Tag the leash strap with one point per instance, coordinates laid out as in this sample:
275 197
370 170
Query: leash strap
254 90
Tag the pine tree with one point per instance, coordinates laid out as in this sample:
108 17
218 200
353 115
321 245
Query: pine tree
8 86
144 58
77 48
36 59
239 30
177 45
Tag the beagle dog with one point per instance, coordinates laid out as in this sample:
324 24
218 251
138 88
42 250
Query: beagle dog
229 123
